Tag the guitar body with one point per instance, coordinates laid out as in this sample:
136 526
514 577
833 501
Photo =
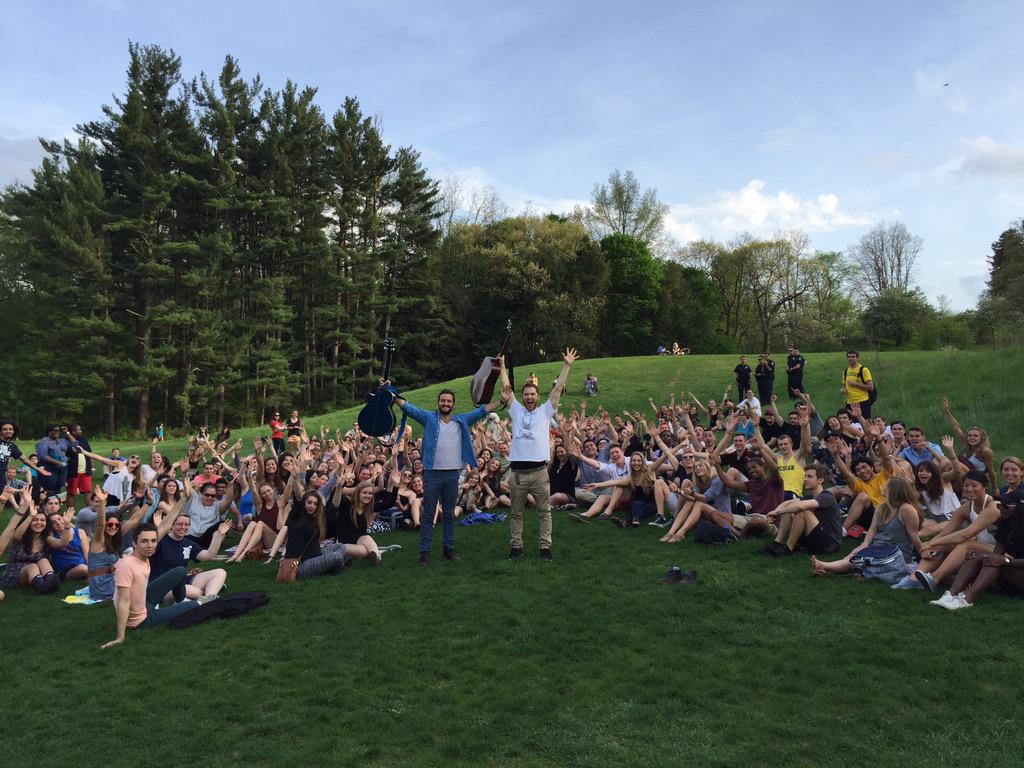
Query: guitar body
481 388
376 418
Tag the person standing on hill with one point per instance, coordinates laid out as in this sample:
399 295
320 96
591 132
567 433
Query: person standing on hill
795 365
742 372
765 375
858 385
531 449
447 448
277 433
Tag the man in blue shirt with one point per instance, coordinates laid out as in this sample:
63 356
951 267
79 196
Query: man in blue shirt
53 451
919 449
447 448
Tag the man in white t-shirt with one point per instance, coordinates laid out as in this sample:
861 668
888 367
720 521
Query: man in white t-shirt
531 449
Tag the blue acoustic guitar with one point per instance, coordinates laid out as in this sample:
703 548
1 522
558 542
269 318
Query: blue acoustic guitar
376 419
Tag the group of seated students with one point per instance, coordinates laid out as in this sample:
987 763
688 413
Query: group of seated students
924 515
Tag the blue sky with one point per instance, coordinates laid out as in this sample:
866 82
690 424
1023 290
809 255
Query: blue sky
743 115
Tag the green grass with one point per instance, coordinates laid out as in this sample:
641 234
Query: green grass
584 661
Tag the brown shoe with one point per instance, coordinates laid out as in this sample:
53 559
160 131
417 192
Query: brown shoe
449 554
424 560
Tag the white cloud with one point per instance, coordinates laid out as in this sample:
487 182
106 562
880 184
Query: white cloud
987 157
750 209
932 85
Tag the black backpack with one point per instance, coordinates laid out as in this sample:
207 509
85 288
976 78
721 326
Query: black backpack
873 394
225 607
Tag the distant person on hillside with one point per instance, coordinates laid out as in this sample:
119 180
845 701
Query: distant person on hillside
79 465
765 375
277 433
795 365
590 385
858 385
294 427
742 372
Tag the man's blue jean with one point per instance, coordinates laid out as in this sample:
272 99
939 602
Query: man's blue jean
439 485
172 581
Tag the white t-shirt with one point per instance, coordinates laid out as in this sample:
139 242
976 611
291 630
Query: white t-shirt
530 441
753 404
448 451
119 484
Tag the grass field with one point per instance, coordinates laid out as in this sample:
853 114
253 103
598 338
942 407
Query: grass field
583 661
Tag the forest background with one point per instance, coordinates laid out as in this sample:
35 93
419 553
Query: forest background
210 250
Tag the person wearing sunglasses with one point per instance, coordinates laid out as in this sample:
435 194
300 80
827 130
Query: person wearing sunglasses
205 510
107 546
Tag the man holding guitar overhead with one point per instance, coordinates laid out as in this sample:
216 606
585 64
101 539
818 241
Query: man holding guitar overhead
531 448
447 447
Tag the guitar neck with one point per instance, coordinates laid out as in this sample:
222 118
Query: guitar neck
389 355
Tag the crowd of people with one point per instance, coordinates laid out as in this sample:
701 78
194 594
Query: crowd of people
940 517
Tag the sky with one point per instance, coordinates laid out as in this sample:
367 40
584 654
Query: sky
744 116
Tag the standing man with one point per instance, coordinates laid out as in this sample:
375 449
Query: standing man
79 465
765 375
742 372
531 448
9 450
52 451
795 365
858 385
447 448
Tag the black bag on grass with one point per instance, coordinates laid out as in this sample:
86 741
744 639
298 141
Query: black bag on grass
225 607
706 532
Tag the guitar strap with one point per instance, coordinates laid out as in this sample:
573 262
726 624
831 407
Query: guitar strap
401 428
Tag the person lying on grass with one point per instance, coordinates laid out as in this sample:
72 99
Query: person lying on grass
895 525
971 529
1003 566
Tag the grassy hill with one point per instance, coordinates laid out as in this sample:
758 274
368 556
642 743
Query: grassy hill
982 387
583 661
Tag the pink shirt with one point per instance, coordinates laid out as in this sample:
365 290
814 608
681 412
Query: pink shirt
133 573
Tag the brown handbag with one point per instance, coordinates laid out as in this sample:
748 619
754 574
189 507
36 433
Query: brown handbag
288 570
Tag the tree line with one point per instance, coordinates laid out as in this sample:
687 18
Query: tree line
210 250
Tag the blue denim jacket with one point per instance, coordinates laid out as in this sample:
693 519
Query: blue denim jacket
431 421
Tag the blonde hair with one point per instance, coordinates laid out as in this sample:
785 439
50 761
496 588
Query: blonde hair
897 493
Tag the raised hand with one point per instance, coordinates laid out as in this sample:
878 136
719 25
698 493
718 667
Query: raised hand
945 403
947 442
506 393
570 356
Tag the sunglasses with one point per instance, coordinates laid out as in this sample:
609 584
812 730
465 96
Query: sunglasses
209 495
113 524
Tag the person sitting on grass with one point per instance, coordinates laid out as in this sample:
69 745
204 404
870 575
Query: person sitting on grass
812 522
562 474
970 529
789 463
106 547
640 483
936 492
763 485
1012 470
471 496
28 562
260 534
137 598
303 534
494 478
174 549
918 448
706 497
977 453
593 474
1004 565
68 545
894 526
410 498
355 516
866 484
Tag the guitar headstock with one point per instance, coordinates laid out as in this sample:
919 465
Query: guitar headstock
508 326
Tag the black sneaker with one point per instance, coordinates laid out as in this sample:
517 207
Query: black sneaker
515 553
768 550
689 577
424 559
545 554
449 554
781 550
674 576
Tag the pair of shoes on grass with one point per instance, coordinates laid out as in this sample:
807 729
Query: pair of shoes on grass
776 549
515 553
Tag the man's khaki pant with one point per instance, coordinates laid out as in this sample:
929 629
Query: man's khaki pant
534 482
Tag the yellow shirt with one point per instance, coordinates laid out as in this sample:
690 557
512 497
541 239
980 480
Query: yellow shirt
853 375
874 488
792 473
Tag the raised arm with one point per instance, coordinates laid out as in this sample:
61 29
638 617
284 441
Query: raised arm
569 357
728 482
953 423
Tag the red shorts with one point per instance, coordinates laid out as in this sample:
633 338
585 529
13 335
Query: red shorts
79 484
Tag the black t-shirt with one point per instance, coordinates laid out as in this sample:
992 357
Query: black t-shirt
828 516
742 373
792 360
385 499
766 370
737 461
294 427
770 431
303 536
170 554
793 430
562 478
8 451
348 532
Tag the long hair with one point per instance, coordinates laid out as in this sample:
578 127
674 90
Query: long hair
934 489
703 483
640 478
113 544
318 515
897 493
983 448
29 537
358 508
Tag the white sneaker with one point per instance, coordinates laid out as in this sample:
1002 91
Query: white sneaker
943 601
958 602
